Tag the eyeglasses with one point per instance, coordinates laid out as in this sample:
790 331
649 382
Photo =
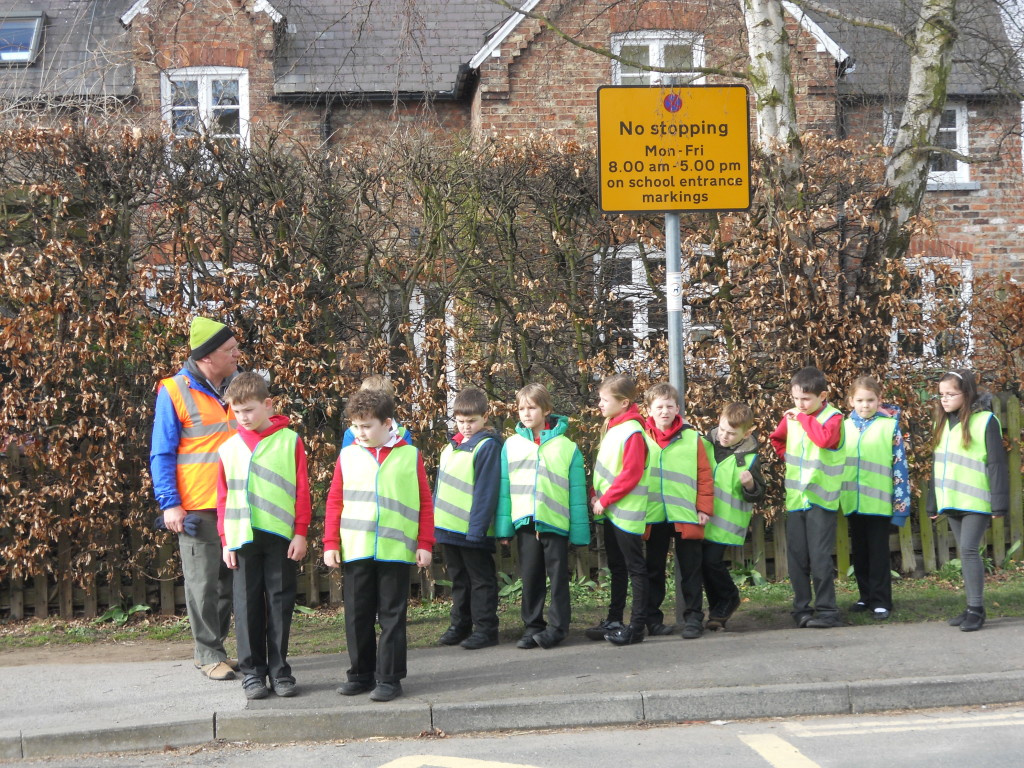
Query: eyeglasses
950 395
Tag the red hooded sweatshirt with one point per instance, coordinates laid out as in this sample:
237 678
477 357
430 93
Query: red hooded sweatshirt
303 508
825 435
336 500
705 477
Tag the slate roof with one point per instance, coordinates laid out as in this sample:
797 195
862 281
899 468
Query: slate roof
381 47
983 64
83 51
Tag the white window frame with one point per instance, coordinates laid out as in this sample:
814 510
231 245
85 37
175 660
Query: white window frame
205 76
924 266
213 270
656 40
639 293
939 180
29 56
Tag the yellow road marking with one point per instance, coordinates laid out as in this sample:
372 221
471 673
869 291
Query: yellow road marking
442 761
805 731
778 752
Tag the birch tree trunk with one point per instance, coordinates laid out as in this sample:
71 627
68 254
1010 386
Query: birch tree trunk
771 80
906 174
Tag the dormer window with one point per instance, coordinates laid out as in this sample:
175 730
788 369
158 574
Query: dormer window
19 37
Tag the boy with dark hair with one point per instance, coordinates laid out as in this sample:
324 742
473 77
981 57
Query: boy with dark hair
263 514
465 500
380 520
809 439
738 485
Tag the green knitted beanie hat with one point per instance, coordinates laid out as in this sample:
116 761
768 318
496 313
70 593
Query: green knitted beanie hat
207 335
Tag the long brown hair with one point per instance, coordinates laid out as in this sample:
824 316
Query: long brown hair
968 385
621 387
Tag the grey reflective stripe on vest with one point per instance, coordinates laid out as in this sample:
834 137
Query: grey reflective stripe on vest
675 477
555 507
547 474
235 513
603 472
212 457
946 484
354 495
273 478
959 460
446 506
737 502
454 482
731 527
875 493
817 490
356 524
829 470
527 463
198 429
869 466
393 534
393 505
271 509
630 515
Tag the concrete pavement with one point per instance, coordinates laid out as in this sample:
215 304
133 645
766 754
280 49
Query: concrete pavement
56 709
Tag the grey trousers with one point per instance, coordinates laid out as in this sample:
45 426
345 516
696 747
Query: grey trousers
207 590
969 532
810 539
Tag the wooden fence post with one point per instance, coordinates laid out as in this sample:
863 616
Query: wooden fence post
65 578
927 535
1012 411
842 545
779 539
908 558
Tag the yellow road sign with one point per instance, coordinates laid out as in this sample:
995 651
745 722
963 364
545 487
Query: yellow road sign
673 148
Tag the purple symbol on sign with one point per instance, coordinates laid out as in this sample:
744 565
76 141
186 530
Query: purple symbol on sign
673 103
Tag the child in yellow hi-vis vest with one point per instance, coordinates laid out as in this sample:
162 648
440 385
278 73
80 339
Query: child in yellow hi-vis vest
620 500
263 514
380 521
970 480
809 439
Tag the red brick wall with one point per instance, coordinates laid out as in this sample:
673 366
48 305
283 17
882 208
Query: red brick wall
986 224
214 33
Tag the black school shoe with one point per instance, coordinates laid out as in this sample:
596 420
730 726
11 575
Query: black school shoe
254 688
526 642
284 687
453 636
722 614
603 628
825 622
859 607
386 691
479 640
626 635
973 620
660 630
354 687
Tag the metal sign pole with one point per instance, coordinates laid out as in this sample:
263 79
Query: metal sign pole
674 302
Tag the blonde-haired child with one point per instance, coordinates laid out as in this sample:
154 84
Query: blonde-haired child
875 493
620 500
542 501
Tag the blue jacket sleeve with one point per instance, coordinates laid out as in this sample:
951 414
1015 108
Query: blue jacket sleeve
579 518
486 483
349 437
503 517
900 480
163 452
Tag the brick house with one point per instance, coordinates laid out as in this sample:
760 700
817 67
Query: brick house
323 73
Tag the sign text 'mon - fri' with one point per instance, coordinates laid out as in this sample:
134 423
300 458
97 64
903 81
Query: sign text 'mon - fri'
673 148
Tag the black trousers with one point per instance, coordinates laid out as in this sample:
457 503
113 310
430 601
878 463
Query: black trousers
376 591
264 599
617 568
718 584
631 545
540 556
658 543
474 588
869 540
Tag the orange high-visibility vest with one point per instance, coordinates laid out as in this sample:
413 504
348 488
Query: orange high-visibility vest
205 427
